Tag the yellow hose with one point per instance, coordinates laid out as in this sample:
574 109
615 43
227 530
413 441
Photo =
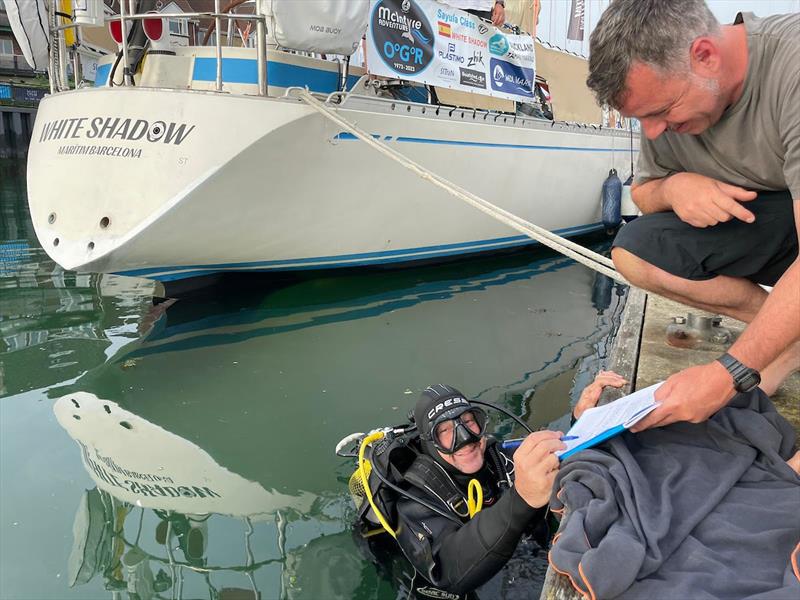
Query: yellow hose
474 497
373 437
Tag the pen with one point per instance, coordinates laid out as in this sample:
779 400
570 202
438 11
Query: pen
510 444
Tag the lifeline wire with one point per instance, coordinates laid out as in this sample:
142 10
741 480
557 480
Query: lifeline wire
578 253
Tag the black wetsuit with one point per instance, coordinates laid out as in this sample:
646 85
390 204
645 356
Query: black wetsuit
458 559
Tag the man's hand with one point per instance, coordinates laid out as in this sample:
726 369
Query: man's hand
693 395
702 202
591 393
498 15
536 465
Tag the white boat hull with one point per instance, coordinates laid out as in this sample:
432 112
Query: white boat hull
211 182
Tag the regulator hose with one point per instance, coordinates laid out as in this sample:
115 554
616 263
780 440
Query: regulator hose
373 437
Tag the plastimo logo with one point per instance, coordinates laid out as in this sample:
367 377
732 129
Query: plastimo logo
402 35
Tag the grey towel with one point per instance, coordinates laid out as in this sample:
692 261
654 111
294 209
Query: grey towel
707 510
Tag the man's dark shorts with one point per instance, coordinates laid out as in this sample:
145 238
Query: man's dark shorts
760 251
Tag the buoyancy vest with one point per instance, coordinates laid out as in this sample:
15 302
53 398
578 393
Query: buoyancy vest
427 475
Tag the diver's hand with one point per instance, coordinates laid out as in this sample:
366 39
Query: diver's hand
536 465
591 393
702 201
794 462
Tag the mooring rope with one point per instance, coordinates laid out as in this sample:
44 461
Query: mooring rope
584 256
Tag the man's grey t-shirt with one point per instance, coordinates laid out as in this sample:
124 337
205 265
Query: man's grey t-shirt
756 143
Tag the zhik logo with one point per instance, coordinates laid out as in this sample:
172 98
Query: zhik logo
475 59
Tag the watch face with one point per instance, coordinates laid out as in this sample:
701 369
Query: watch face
749 381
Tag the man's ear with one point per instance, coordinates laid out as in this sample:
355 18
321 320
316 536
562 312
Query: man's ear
704 57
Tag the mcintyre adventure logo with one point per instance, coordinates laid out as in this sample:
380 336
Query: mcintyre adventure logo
402 36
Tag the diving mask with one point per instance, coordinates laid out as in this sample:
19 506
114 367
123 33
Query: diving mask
452 431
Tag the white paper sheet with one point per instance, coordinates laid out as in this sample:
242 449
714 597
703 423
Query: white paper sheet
602 422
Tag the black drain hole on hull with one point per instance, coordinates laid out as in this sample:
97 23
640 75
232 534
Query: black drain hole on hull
52 218
90 246
126 425
104 222
55 242
75 402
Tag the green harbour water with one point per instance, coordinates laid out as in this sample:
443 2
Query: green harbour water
185 448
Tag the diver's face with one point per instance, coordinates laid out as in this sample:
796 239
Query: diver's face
689 104
468 459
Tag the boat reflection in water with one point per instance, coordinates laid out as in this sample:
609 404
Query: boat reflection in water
148 475
212 437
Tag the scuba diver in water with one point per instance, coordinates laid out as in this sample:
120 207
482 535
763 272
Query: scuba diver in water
460 506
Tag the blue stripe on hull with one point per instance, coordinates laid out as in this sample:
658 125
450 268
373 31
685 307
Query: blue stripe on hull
279 74
415 140
350 260
245 70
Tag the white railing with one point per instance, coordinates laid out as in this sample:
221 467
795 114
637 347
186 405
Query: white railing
59 80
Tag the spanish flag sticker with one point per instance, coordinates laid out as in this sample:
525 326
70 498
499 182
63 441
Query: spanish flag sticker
444 29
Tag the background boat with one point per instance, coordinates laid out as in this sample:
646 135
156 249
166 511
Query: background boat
196 170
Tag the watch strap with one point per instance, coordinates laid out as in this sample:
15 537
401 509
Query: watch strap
744 378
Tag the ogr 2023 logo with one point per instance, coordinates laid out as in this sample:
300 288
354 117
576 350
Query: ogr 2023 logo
402 35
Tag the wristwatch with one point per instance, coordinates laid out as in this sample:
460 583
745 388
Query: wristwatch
744 378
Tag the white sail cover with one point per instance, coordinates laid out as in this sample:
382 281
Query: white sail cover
324 26
28 20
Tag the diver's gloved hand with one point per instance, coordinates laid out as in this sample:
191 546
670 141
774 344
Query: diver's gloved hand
536 465
591 393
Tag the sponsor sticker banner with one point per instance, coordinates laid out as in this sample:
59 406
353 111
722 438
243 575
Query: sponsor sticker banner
431 43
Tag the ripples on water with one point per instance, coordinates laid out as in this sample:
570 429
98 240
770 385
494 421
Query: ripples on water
185 449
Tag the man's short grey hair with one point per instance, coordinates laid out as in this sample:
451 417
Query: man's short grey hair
658 33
